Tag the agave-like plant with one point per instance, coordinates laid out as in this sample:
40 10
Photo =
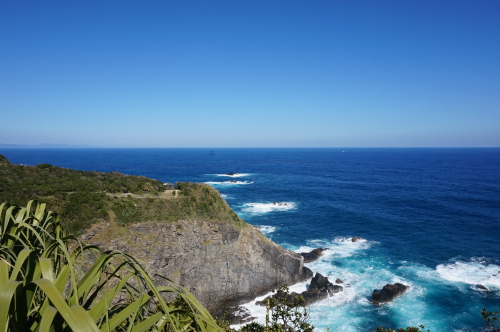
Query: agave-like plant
50 281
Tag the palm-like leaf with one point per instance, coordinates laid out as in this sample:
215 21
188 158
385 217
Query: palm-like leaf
50 281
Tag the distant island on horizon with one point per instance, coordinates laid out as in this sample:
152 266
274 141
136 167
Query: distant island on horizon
45 146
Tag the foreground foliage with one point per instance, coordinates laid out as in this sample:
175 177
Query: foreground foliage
490 320
50 281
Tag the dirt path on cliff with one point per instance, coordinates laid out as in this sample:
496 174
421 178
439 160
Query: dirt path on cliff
174 193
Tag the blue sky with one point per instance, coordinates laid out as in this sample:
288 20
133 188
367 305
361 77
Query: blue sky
250 73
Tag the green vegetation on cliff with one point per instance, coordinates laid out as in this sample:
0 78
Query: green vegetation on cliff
195 201
83 198
4 161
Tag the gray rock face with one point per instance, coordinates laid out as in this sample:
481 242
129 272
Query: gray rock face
219 263
388 293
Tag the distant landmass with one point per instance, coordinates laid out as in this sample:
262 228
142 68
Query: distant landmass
45 146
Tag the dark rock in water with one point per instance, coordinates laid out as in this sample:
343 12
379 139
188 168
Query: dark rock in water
315 295
319 282
231 174
337 288
312 256
322 283
338 281
319 289
388 293
482 287
355 239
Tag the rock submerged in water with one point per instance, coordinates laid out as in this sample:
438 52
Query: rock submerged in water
231 174
356 239
312 256
482 287
388 293
338 281
319 289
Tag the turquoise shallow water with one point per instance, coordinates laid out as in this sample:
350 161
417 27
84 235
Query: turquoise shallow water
430 219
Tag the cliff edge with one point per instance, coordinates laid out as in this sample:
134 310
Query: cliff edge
220 263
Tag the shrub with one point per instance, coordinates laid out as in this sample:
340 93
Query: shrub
286 313
253 327
490 320
44 166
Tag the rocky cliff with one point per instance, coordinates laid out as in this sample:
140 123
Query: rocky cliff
220 263
189 234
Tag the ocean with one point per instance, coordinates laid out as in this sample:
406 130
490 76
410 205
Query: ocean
428 217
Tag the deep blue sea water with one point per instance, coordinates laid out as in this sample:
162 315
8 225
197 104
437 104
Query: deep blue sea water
430 219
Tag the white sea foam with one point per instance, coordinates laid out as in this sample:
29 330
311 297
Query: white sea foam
347 240
260 208
473 273
225 196
339 247
267 229
348 294
229 183
237 175
361 274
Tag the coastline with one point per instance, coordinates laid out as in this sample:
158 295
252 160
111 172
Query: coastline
429 215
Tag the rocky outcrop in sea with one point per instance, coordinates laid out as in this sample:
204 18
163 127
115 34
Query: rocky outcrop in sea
312 256
319 289
388 293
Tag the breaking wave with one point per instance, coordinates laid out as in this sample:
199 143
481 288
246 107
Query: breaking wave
475 272
260 208
228 183
236 175
267 229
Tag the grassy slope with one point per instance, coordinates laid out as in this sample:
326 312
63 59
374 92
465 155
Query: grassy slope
82 198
